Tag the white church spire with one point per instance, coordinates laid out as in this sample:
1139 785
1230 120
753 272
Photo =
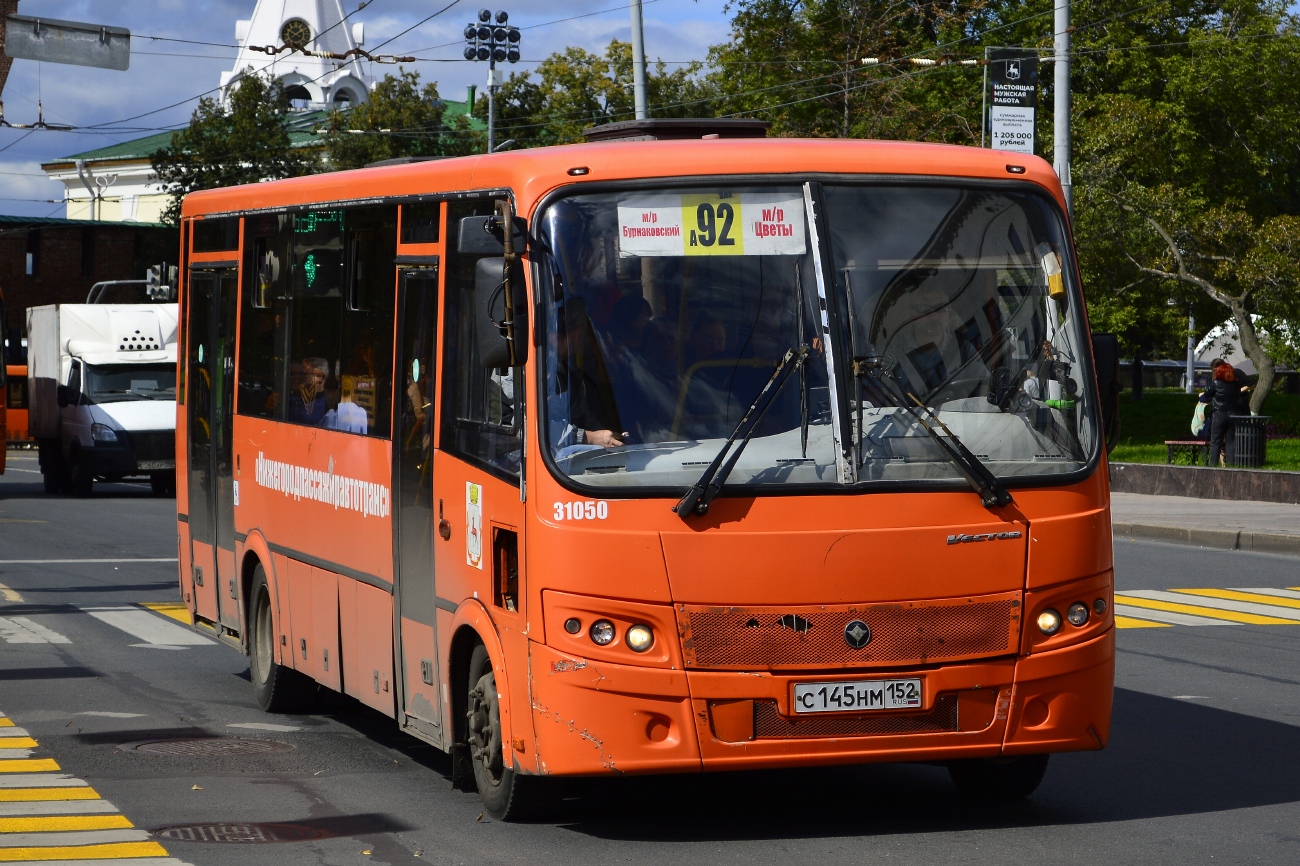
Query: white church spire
317 25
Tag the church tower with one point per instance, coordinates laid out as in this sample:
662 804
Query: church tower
316 25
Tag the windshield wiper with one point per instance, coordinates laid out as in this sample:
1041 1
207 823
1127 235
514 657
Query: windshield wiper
991 491
697 499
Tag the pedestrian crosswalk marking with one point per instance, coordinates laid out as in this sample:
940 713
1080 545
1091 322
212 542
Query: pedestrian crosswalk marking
173 609
49 817
20 629
142 624
1150 608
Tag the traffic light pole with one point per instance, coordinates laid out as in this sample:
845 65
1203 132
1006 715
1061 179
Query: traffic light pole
638 61
492 113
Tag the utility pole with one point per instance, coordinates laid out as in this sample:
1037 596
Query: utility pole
1190 385
638 60
1061 149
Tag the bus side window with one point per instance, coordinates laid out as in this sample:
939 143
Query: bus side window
365 381
315 319
265 318
481 409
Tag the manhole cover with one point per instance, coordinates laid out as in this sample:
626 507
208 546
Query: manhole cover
206 747
256 834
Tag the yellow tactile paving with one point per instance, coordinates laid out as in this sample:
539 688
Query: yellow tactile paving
79 831
1130 622
173 609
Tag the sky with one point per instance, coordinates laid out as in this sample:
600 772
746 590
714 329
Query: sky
164 73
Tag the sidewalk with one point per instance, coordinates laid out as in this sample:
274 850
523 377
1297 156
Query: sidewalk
1265 527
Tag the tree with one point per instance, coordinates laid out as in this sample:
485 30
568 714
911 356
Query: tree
399 119
227 144
576 89
1192 186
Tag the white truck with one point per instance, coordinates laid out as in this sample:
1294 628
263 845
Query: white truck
101 382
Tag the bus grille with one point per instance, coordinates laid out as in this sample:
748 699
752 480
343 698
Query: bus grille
153 444
769 724
902 633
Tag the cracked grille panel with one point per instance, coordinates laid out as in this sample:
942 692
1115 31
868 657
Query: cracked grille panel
769 724
922 632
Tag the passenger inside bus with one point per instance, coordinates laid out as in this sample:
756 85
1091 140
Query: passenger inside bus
579 390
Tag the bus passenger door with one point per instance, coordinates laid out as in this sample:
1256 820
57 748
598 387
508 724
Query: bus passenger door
212 512
413 514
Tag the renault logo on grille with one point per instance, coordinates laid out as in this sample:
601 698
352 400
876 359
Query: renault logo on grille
857 634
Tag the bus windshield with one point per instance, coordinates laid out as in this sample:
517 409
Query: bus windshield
107 383
936 307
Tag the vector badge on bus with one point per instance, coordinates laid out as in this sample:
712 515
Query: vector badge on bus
857 634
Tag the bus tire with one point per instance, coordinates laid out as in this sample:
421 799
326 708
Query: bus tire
999 779
506 795
277 689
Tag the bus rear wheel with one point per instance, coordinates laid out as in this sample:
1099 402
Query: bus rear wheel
506 795
999 779
277 689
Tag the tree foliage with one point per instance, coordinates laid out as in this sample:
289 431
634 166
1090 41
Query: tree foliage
243 141
575 89
399 119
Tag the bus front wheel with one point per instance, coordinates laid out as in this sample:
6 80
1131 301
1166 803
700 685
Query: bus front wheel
506 795
278 689
1000 779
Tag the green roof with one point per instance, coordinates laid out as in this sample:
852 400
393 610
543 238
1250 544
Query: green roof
301 126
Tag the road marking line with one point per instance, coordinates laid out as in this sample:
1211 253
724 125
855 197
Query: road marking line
1271 615
144 625
17 743
6 723
173 609
16 469
110 851
10 594
20 520
40 780
11 730
11 754
29 765
1191 697
59 807
1165 616
265 726
67 839
117 860
64 823
1242 595
20 629
1269 591
1209 612
1131 622
41 795
70 561
111 715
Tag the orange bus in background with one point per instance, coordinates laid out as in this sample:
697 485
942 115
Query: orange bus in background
16 406
658 456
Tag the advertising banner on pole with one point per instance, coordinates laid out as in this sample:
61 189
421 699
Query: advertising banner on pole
1013 101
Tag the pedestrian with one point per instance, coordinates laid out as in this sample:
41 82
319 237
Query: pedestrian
1224 394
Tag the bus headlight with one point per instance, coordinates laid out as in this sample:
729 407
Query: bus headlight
102 433
602 632
1049 622
640 638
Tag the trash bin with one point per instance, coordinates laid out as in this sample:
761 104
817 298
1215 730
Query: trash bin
1250 440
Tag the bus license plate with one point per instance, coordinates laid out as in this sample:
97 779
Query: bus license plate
857 695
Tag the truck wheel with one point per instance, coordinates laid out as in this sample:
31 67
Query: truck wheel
82 482
506 796
277 689
54 470
1001 779
163 483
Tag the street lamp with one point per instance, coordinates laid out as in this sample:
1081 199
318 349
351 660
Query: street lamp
494 42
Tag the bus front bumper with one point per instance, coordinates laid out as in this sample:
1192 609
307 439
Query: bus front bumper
594 717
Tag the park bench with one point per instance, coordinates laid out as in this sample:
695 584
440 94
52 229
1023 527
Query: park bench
1193 452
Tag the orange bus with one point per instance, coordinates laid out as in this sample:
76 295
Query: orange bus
15 418
658 456
4 383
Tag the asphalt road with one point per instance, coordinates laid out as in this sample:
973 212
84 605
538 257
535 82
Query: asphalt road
1204 763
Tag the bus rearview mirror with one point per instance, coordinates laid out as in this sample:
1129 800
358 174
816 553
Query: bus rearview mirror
490 307
1105 353
483 235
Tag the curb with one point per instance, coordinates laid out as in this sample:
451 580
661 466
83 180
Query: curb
1220 539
